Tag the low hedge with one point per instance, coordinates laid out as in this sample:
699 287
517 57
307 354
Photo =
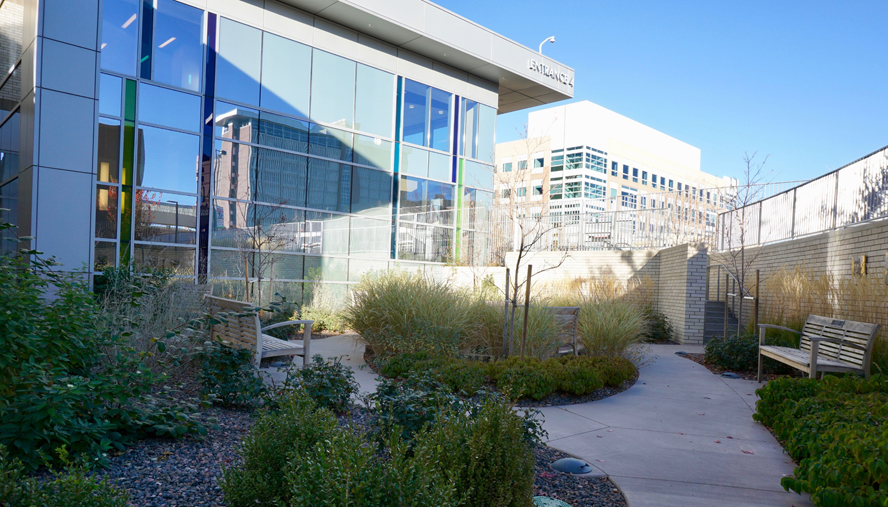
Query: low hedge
835 429
740 353
528 378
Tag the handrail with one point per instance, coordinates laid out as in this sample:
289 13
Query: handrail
750 296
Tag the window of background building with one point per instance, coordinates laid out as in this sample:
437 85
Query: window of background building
625 172
522 165
634 175
538 162
522 192
538 190
644 177
614 168
507 167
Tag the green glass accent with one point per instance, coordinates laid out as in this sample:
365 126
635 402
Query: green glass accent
459 200
126 176
129 107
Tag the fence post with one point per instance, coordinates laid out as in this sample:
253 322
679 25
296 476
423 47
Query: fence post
725 336
526 311
755 317
506 319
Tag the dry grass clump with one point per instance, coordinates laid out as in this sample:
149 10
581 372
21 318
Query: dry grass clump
791 294
542 331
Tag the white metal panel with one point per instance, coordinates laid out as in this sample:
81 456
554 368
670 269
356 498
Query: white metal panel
64 212
74 22
69 69
66 131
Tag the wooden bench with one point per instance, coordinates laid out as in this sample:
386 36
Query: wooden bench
239 325
827 345
566 318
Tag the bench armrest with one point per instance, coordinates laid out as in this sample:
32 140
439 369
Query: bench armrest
815 338
287 323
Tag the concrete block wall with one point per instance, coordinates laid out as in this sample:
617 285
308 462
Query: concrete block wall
830 252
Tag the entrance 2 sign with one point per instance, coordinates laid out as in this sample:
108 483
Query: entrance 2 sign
550 72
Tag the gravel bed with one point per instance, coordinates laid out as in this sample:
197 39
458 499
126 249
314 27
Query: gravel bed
184 473
575 490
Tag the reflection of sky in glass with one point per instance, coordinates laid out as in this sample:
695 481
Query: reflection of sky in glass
332 89
237 68
109 95
415 112
374 101
177 44
169 108
120 28
170 160
439 119
285 75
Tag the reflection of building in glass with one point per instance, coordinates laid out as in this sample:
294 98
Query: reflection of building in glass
226 152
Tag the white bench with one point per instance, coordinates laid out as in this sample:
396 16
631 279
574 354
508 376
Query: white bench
827 345
239 325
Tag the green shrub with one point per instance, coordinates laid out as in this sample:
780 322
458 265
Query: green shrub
329 383
71 487
325 319
740 353
526 380
576 376
397 312
402 364
463 377
228 375
294 427
608 327
659 329
834 429
410 405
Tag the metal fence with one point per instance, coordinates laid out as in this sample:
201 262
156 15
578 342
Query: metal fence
857 192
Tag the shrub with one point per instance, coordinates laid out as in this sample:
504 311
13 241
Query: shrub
542 331
835 429
463 377
402 364
228 375
410 405
576 376
740 353
526 380
64 489
329 383
398 312
609 327
659 329
295 427
324 304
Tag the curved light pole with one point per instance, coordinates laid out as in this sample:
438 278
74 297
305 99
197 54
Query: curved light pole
549 39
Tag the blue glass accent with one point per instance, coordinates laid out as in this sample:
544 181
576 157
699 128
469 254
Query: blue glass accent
147 36
207 154
455 148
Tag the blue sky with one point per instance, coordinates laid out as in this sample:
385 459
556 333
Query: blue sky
805 82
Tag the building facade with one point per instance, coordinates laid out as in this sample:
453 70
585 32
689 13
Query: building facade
274 142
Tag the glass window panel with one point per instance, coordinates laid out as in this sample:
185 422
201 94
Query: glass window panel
120 29
167 160
9 147
326 268
106 212
416 112
110 94
424 243
10 92
178 51
440 204
105 255
486 134
238 63
371 192
237 224
331 143
232 173
374 101
414 161
332 89
326 233
280 178
357 268
12 14
477 175
467 134
229 264
169 108
258 264
236 122
108 166
283 267
286 79
371 238
373 151
412 201
329 185
9 214
440 167
162 217
178 259
439 120
283 132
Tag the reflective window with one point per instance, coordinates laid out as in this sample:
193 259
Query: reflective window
120 29
440 167
12 14
424 243
326 268
167 160
177 259
106 212
371 192
374 101
477 175
105 255
326 233
414 161
415 121
439 203
329 185
373 151
271 266
238 62
10 92
357 268
331 143
412 199
110 94
236 122
162 217
467 128
108 165
169 108
370 238
283 132
486 134
439 120
478 131
286 75
178 51
507 167
9 147
237 224
280 177
426 201
332 89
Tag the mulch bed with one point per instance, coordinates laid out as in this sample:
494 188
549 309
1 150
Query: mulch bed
745 375
180 473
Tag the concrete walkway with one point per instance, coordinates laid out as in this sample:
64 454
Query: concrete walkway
676 438
681 437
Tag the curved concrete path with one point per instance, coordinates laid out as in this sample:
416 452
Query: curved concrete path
680 436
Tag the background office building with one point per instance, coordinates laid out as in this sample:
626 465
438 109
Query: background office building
289 141
582 158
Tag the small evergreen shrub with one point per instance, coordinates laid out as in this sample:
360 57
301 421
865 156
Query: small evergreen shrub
740 353
463 377
228 376
329 383
659 329
526 380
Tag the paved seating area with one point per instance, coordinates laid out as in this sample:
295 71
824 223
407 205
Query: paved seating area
680 436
